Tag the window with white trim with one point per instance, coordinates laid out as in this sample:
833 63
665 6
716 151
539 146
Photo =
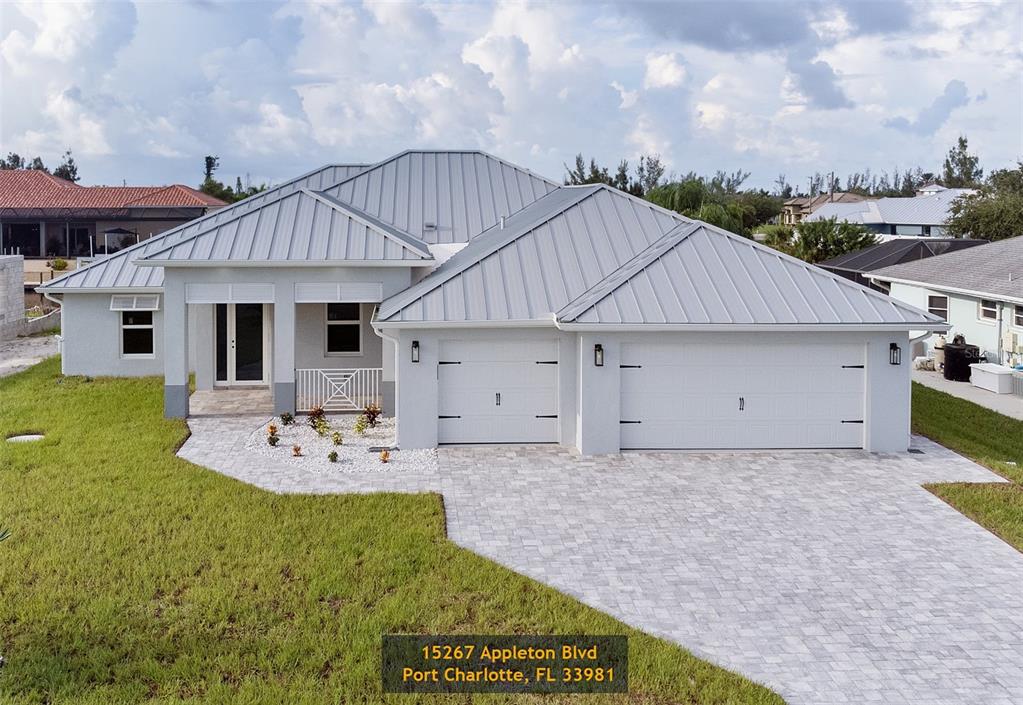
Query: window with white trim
1017 318
988 310
135 302
938 306
137 334
344 329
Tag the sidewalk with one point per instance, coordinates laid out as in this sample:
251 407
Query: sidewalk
1007 404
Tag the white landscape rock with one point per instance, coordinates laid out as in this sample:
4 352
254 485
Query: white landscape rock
353 454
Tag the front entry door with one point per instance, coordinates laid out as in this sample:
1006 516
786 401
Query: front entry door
241 344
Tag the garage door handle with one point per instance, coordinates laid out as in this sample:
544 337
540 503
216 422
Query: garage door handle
449 417
623 421
497 399
852 367
742 403
852 420
546 416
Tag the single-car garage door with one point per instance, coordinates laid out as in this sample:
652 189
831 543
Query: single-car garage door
771 395
498 392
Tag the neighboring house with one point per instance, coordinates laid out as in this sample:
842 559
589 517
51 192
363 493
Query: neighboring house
854 265
923 215
577 315
795 210
42 216
979 291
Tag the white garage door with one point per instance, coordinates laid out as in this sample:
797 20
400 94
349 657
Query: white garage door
498 392
755 396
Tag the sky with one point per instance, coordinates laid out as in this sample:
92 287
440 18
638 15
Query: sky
141 92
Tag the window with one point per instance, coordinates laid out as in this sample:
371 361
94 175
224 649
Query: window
131 302
938 305
344 329
137 333
988 310
1017 319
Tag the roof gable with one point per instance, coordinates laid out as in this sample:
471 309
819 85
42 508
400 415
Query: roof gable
701 275
442 196
545 256
303 226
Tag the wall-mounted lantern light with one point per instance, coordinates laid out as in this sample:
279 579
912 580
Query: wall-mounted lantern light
894 354
598 355
415 351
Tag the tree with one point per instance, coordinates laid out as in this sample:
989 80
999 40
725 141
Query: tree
820 240
962 169
648 174
67 169
217 189
995 212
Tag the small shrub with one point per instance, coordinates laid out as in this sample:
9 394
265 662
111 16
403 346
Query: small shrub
321 426
57 264
360 425
372 414
332 456
337 438
287 419
316 415
385 456
271 430
273 440
296 451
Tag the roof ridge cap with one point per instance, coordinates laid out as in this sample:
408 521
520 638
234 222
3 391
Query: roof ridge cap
402 237
618 277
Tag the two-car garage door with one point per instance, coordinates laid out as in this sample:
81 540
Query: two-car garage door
781 395
498 392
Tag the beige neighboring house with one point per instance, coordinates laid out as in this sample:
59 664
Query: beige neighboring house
795 210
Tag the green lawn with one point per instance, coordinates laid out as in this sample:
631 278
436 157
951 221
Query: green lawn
132 575
989 438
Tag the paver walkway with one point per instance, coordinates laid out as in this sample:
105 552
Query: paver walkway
829 577
21 353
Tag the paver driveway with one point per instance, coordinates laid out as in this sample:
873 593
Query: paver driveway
830 577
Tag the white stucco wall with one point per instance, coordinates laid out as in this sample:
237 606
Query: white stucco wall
92 339
964 317
589 396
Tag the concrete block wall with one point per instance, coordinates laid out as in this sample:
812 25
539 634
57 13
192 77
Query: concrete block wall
12 295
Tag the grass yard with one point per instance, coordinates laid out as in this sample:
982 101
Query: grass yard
131 575
991 439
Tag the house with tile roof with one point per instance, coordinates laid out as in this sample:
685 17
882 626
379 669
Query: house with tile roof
479 302
978 291
43 216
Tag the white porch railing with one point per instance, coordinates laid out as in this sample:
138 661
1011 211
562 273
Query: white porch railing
337 390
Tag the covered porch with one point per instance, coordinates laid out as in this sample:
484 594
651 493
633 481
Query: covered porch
296 345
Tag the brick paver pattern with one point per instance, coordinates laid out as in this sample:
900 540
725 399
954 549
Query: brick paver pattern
831 577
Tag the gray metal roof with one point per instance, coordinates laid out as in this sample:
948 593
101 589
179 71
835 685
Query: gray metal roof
303 226
996 269
119 269
546 255
460 193
932 209
699 274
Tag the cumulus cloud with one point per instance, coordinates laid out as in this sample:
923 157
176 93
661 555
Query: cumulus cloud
664 71
929 119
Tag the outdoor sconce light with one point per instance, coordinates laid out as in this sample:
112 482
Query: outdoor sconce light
415 351
894 354
598 355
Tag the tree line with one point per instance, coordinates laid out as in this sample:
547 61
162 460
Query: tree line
67 169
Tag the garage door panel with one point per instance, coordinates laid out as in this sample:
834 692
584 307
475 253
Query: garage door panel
792 395
496 392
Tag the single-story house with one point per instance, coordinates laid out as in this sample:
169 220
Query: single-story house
482 303
854 265
979 291
923 215
44 216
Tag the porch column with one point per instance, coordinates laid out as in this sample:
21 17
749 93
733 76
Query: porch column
175 349
201 320
284 349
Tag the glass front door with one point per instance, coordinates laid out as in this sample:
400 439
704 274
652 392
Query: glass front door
240 344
